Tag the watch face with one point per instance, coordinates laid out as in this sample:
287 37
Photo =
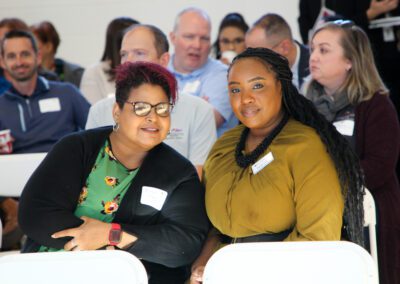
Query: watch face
115 236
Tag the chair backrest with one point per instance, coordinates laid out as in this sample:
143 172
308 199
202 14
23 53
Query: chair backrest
15 170
107 266
291 262
1 233
370 222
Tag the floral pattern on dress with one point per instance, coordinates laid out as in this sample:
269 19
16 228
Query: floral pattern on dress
111 181
83 195
110 207
104 189
110 154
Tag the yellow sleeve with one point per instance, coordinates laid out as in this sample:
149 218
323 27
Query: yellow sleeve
317 194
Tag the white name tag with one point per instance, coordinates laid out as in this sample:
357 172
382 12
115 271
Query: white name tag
388 34
49 105
191 87
345 127
153 197
262 163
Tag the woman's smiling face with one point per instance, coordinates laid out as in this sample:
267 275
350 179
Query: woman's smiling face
255 94
147 131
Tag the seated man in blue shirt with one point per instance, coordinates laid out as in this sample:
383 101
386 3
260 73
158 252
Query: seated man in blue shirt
197 74
37 112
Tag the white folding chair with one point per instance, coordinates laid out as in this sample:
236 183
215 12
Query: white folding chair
15 171
370 222
291 262
106 266
1 233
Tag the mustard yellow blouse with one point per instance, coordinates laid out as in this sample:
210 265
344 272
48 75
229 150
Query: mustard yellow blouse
299 189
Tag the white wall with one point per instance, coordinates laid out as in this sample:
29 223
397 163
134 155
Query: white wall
82 23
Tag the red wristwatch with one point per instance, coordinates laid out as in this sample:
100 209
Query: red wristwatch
114 237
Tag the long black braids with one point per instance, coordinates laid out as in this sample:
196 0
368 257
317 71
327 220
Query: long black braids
346 161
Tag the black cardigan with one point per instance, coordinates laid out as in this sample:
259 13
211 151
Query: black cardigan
171 237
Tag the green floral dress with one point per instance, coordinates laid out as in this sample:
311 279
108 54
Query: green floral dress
104 190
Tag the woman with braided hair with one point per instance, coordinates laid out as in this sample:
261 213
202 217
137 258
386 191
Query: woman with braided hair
285 173
347 89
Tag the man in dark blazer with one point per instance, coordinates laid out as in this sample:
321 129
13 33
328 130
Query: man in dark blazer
273 32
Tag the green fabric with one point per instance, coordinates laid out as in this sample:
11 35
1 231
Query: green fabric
105 188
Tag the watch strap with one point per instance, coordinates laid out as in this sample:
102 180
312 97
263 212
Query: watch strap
114 236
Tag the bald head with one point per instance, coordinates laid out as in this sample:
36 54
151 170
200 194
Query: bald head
192 11
145 43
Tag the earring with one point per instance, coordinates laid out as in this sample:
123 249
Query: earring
116 127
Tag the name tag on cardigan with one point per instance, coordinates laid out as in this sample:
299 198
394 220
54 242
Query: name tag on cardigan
49 105
345 127
153 197
262 163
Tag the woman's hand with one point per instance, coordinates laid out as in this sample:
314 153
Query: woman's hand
91 235
211 244
197 275
379 7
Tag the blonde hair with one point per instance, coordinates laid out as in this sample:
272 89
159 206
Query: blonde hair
363 80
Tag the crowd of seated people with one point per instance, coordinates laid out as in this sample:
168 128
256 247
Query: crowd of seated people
254 138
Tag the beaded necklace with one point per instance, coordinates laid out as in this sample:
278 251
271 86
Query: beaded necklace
245 160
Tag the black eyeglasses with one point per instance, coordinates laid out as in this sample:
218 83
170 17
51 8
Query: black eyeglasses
143 108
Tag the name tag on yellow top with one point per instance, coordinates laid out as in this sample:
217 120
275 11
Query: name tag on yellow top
262 163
